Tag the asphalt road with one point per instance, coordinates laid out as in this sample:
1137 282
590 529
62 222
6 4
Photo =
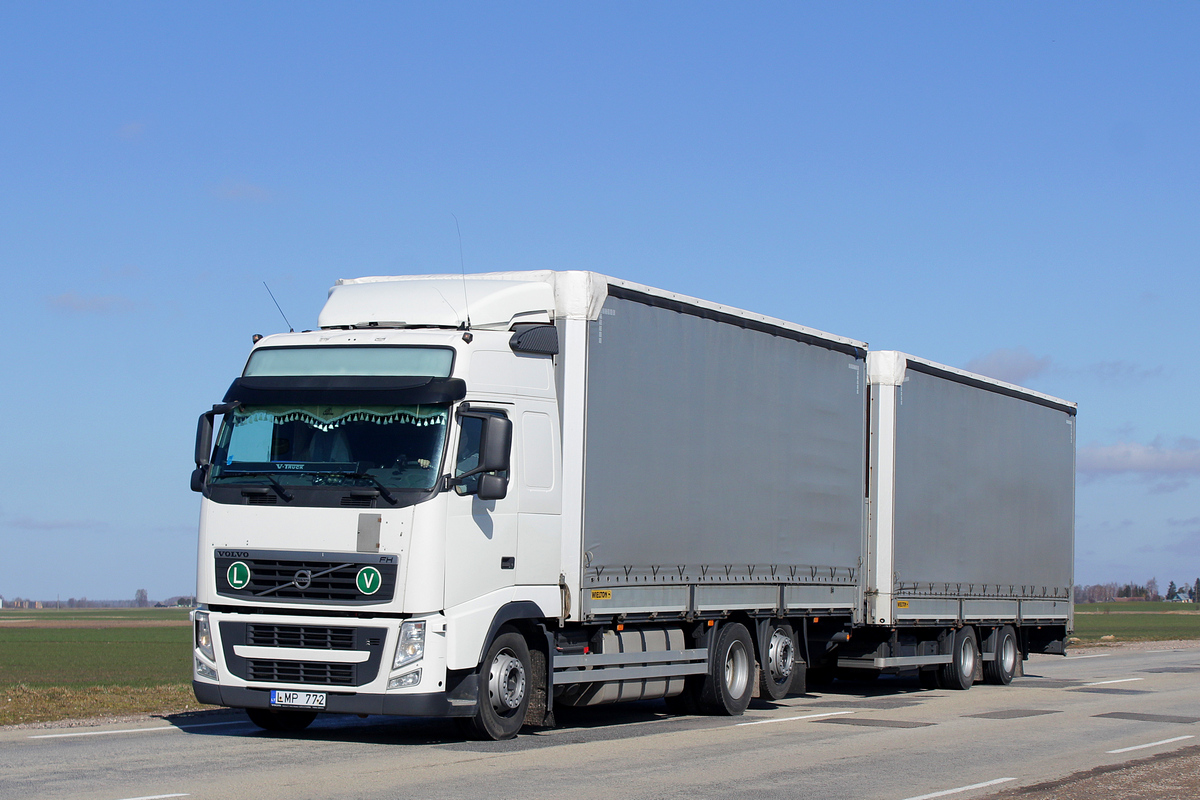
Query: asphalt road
888 740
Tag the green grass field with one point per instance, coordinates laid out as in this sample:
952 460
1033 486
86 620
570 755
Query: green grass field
95 656
1128 622
88 662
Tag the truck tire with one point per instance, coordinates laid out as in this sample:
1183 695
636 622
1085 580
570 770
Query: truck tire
288 721
1001 671
730 681
505 684
777 662
960 672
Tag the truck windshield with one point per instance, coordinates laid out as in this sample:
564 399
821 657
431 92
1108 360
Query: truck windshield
399 447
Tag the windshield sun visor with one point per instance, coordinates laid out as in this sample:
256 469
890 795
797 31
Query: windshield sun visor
346 389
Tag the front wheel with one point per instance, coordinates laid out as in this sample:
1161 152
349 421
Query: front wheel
284 721
730 681
504 687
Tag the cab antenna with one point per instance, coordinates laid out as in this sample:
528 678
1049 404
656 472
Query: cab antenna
276 302
463 266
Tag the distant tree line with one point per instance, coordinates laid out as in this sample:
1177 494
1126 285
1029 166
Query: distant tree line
141 599
1109 592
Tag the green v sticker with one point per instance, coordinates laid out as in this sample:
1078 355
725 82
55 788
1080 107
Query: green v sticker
369 580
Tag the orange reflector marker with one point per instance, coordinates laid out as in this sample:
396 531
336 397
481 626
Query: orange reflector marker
711 623
816 619
621 626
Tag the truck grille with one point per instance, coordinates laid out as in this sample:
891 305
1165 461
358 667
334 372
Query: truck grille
301 672
300 577
309 668
309 637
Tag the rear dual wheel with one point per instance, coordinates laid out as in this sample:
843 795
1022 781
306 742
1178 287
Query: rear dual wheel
964 656
730 681
727 687
777 662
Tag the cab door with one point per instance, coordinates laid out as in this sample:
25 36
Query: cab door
481 535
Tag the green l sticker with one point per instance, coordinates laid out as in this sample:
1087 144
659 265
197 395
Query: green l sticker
238 575
369 580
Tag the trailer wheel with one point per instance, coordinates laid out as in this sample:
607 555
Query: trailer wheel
1001 671
960 672
288 721
778 662
730 681
504 689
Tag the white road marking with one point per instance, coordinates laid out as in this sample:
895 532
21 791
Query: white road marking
1119 680
1093 655
791 719
1152 744
156 796
135 730
945 792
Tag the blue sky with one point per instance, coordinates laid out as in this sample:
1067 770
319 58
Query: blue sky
1013 188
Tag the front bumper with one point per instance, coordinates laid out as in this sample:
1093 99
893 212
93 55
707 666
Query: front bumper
460 702
350 660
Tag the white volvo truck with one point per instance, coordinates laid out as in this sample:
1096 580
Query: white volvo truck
480 496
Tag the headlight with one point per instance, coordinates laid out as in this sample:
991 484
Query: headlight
204 642
412 643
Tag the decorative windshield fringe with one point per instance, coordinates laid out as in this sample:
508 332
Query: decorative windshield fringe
316 417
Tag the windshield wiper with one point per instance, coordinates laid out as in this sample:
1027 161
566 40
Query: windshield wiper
276 485
383 490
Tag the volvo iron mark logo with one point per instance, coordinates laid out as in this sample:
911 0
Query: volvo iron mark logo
302 578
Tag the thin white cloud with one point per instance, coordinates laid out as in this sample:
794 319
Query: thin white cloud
1121 371
73 303
1157 459
242 191
1011 365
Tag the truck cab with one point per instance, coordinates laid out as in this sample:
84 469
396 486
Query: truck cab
376 494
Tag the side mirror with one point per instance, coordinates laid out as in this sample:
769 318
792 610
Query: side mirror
204 433
492 487
495 444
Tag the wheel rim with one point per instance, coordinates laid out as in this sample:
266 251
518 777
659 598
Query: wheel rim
1008 655
780 656
966 658
737 669
506 682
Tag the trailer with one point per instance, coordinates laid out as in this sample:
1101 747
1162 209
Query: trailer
481 496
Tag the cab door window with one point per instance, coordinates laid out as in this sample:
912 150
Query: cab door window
469 437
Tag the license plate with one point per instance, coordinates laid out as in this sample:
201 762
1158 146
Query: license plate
298 699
